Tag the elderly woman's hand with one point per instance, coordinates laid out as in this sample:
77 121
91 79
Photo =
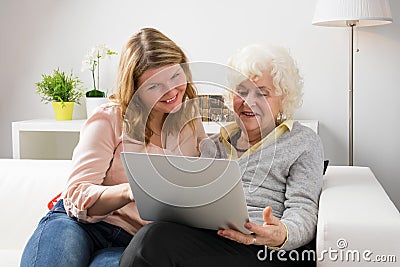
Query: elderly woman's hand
272 233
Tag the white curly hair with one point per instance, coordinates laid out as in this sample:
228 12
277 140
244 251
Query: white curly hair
252 60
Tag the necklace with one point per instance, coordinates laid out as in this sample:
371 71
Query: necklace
241 150
234 140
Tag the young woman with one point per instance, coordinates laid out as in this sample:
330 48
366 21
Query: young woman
96 217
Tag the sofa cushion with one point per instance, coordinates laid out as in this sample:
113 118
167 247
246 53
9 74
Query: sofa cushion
10 257
26 186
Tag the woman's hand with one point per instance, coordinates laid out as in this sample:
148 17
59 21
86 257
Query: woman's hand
113 198
272 233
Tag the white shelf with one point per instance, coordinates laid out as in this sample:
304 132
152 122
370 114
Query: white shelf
45 139
212 127
49 125
51 139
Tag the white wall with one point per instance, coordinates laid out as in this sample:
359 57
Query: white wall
38 36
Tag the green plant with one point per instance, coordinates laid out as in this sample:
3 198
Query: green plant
59 87
91 62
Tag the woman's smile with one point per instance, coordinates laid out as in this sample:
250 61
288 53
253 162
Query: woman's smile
171 100
248 114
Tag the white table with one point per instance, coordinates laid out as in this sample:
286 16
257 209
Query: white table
45 139
51 139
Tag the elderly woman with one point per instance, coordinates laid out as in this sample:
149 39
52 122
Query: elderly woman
282 166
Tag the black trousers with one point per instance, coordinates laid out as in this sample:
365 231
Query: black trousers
169 244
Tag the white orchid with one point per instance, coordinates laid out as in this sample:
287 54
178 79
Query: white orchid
91 61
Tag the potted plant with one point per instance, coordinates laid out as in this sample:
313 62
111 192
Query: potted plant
63 90
95 96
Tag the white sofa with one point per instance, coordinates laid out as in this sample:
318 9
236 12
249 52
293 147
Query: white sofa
26 186
354 209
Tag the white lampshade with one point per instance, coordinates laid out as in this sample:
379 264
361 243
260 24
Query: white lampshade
338 13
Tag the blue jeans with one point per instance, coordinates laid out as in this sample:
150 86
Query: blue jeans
60 240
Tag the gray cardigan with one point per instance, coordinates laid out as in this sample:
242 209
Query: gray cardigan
286 175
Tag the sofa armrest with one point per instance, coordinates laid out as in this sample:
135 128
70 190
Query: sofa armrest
357 222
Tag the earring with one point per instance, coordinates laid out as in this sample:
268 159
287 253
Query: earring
280 117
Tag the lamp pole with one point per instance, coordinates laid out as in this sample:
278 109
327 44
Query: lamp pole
352 13
351 24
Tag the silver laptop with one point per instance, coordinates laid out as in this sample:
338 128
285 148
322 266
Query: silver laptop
199 192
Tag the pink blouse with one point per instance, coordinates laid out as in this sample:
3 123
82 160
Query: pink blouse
96 165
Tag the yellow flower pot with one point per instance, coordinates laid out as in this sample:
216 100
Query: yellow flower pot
63 111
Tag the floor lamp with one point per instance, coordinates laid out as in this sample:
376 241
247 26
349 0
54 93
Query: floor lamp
351 13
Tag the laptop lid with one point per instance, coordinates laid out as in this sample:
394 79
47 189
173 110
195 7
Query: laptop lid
199 192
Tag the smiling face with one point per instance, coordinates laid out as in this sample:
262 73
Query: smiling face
162 89
256 105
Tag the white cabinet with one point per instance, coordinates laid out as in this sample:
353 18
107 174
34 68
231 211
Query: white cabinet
45 139
51 139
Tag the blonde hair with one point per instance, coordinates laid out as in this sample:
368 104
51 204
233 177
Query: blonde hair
251 60
150 49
